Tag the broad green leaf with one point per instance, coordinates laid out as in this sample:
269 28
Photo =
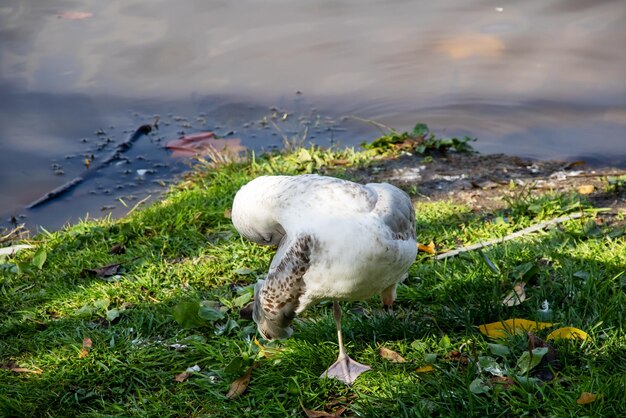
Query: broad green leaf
478 386
430 357
421 129
236 366
444 342
241 301
39 258
527 361
112 314
227 328
102 304
489 364
186 314
499 349
210 314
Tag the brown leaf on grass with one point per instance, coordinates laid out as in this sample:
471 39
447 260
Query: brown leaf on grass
456 356
323 414
240 384
515 296
311 413
391 355
181 377
586 189
430 248
228 213
118 249
87 344
502 381
24 370
105 271
14 367
585 398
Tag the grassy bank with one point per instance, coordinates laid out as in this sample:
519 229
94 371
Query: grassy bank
78 341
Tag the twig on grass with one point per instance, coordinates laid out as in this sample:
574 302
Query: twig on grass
509 237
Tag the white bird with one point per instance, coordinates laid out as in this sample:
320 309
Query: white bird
336 240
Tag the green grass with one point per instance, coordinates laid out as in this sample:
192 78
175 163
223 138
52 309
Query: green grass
184 249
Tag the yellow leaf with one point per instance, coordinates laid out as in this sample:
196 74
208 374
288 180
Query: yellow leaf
585 398
569 333
391 355
430 248
511 326
425 369
586 189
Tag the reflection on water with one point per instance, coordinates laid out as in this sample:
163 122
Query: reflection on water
540 78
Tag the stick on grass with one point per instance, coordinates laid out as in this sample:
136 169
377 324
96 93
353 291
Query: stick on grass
509 237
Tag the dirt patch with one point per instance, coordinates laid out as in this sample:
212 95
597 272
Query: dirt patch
483 181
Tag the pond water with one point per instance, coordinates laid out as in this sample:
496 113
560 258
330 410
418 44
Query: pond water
537 78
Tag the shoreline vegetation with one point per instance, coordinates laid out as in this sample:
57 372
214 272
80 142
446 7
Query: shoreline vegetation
147 315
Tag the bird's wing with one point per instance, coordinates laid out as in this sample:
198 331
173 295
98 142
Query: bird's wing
394 208
284 284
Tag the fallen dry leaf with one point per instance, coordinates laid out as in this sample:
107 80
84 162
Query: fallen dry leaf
240 384
515 296
14 367
181 377
84 351
585 398
87 342
503 381
511 326
228 213
74 15
430 248
204 143
322 414
118 249
425 369
24 370
457 356
586 189
105 271
568 333
391 355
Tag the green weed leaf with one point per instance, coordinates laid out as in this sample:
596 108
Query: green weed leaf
186 314
527 361
478 386
39 258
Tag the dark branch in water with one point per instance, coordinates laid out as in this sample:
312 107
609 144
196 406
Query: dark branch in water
116 155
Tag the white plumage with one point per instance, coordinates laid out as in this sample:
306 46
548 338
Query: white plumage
336 240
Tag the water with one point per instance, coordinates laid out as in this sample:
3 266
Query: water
541 78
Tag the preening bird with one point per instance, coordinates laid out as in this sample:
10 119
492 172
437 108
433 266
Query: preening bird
337 240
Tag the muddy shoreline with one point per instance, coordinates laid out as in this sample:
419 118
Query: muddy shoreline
483 181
